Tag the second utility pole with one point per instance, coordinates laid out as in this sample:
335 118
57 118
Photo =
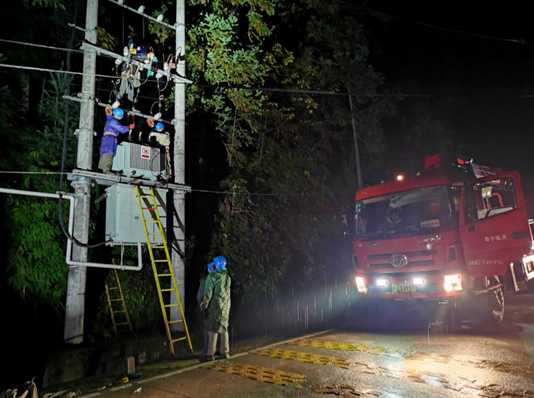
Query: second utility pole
178 249
75 306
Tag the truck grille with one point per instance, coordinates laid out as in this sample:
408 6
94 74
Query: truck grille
415 259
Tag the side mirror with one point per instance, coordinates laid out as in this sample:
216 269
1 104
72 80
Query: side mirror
345 223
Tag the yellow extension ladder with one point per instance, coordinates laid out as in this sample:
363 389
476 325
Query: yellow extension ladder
117 305
161 265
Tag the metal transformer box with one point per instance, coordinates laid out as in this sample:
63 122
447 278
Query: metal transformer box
124 224
141 161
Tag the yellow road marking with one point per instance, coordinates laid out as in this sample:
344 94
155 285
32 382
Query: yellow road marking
425 377
259 373
503 367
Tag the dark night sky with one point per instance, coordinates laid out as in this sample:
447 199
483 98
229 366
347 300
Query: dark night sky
474 79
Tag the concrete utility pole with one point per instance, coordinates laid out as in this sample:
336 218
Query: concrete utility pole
356 146
75 306
178 253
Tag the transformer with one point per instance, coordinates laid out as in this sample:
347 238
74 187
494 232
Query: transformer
124 225
139 161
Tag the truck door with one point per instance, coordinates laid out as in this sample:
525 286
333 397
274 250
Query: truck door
493 224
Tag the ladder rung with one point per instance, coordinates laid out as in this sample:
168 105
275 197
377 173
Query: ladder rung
180 339
149 208
145 196
151 221
178 321
119 312
157 247
161 261
113 287
119 299
171 305
167 290
121 324
160 275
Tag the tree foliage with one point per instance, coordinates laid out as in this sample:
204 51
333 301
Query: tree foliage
289 157
36 257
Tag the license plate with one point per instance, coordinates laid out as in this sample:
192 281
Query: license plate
402 288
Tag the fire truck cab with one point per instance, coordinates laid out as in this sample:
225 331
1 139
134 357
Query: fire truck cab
451 232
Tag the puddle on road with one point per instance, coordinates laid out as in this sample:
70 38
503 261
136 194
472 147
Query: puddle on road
424 377
347 390
259 373
503 367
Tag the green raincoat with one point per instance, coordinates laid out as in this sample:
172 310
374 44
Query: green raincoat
217 291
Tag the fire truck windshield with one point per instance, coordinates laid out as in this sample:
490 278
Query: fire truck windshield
416 211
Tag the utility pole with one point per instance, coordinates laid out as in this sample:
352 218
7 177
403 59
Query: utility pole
75 306
178 252
356 146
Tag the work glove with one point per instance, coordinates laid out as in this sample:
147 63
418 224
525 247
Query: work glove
132 126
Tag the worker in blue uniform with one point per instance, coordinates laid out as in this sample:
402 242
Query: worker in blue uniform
108 147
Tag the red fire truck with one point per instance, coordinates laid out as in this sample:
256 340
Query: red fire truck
456 233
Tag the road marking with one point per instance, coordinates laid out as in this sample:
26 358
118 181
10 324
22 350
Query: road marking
374 350
305 357
499 366
429 378
259 373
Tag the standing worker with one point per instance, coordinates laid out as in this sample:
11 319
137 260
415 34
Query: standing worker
217 302
108 147
203 312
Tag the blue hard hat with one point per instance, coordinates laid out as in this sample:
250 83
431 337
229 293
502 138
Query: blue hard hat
220 262
118 112
211 267
159 126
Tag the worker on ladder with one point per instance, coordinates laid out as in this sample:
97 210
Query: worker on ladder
108 147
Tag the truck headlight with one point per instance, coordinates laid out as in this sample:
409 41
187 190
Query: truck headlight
419 281
382 282
360 285
452 283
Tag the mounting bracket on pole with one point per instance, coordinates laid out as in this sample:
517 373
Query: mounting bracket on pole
80 28
78 131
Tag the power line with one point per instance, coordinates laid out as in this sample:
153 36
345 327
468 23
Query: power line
102 104
34 68
192 189
287 90
41 46
32 172
428 25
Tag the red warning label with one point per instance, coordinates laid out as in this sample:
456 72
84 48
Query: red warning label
145 152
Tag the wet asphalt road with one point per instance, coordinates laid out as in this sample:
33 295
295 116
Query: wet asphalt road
405 357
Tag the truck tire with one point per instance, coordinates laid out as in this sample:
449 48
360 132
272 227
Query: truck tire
493 302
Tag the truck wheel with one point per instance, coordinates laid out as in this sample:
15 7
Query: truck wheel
487 309
495 300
